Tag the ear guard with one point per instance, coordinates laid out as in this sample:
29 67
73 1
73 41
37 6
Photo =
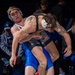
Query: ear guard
44 23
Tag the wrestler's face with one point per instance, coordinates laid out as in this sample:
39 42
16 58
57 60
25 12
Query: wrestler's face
16 16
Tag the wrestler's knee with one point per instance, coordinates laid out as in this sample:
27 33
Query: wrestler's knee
43 63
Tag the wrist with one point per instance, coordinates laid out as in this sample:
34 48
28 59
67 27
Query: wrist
69 47
13 55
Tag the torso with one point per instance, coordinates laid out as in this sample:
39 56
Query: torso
45 39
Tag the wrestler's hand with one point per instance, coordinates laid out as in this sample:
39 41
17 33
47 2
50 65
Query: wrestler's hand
67 51
12 61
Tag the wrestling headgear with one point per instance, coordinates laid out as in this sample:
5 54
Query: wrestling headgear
10 9
49 20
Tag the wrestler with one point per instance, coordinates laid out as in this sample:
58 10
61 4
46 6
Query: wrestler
29 27
55 26
51 32
31 66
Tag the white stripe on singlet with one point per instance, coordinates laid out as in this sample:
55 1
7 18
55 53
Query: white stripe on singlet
19 26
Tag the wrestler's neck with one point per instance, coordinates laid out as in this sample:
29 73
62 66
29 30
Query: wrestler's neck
21 22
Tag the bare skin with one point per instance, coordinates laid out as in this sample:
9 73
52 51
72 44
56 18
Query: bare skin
26 37
21 35
62 31
29 27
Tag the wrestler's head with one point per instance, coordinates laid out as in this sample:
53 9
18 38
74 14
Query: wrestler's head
14 13
49 20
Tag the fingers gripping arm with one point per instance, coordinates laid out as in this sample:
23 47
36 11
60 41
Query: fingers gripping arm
67 38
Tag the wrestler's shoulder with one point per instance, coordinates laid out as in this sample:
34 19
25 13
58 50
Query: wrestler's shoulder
31 16
13 28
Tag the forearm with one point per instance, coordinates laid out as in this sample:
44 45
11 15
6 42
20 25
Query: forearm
14 46
67 40
63 32
26 38
19 37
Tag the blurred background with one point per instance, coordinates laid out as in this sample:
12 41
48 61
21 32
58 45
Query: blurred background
29 6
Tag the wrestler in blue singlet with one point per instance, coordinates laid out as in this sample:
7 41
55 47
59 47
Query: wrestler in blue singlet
32 61
30 58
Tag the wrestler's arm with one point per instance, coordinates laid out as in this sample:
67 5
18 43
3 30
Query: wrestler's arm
67 38
30 25
13 31
24 33
17 38
16 35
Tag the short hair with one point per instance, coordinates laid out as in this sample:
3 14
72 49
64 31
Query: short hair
10 9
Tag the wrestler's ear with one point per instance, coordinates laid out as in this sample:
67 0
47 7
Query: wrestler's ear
10 17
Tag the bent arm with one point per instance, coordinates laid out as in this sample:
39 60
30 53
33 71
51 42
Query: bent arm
64 33
16 39
22 35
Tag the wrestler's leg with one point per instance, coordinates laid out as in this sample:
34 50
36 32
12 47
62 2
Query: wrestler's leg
52 50
29 70
50 71
31 64
38 53
49 68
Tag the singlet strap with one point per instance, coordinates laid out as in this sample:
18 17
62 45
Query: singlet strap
36 22
19 27
36 15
